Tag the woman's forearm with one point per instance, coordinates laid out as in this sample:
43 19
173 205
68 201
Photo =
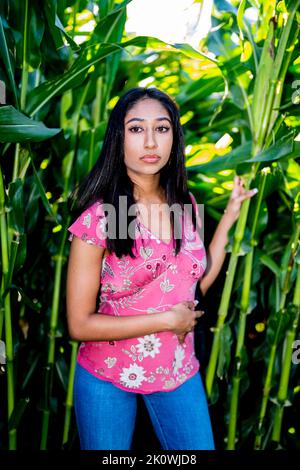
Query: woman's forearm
216 253
103 327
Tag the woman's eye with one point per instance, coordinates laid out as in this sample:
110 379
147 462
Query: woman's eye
134 128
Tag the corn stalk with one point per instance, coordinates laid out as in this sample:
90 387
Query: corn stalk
8 246
226 294
74 344
239 366
98 107
282 394
59 259
6 306
266 83
287 261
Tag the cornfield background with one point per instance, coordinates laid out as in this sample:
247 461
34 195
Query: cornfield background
238 94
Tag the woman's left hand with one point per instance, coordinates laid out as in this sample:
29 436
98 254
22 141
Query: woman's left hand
238 195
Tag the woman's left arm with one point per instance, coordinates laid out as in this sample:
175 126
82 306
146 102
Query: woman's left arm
216 251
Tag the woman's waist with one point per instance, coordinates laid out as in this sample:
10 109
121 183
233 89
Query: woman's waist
121 306
152 345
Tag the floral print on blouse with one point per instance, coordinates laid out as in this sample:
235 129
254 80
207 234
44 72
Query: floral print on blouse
153 282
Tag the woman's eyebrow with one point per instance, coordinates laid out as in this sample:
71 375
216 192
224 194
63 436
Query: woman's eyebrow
163 118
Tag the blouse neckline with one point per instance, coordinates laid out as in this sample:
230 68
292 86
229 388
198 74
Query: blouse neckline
168 243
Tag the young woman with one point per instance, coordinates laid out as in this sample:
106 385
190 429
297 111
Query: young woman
139 338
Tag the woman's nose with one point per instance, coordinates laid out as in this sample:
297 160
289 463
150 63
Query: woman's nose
150 140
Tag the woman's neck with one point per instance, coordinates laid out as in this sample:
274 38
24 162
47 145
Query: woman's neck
150 197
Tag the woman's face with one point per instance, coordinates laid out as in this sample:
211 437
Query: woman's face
147 131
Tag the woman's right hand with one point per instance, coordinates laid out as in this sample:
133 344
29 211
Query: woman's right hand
184 317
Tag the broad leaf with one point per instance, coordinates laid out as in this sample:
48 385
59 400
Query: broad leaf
284 148
16 127
7 60
90 57
271 264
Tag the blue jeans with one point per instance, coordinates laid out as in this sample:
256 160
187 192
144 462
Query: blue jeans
106 414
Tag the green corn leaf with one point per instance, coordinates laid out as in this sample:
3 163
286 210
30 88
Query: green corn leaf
110 29
271 264
240 14
186 49
35 30
243 26
62 371
32 206
109 7
211 82
74 77
112 25
16 197
12 260
262 219
47 372
17 226
226 162
200 89
284 38
8 63
20 255
225 351
278 324
243 363
36 306
287 149
33 365
42 192
286 60
55 26
17 413
68 38
284 148
16 127
277 66
90 56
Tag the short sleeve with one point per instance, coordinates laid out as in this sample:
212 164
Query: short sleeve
90 226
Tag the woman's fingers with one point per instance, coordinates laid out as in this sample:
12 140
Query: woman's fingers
190 303
238 195
246 195
239 190
181 338
235 190
199 313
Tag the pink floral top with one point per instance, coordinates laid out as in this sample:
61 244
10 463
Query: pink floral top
153 282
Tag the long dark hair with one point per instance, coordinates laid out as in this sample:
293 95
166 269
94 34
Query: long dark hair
108 179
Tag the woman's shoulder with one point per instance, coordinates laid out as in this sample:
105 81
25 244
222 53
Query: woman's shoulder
94 205
89 225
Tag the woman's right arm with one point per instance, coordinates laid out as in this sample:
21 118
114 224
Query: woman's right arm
85 324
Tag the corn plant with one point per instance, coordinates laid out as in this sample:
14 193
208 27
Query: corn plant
61 79
264 122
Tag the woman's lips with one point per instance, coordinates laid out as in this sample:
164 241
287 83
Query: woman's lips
150 158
